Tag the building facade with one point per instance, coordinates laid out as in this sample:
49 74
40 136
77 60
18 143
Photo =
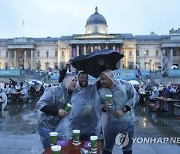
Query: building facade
148 52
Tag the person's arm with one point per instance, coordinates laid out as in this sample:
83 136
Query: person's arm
45 104
50 110
133 99
62 73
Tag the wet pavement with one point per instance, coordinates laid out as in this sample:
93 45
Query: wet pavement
18 131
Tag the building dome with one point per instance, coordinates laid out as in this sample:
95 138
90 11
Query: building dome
96 23
96 18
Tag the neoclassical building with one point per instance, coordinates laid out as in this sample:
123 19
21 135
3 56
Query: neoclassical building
148 52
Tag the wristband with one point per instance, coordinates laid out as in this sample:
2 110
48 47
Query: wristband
124 110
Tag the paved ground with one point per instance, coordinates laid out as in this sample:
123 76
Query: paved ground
18 135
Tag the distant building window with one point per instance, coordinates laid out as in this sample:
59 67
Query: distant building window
38 53
165 53
130 53
62 53
174 53
157 52
6 54
137 52
56 53
138 64
147 53
130 65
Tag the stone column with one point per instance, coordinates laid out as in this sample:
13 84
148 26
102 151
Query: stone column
70 54
84 51
77 50
113 46
121 60
32 58
24 60
134 60
14 59
99 46
8 58
91 47
163 59
170 58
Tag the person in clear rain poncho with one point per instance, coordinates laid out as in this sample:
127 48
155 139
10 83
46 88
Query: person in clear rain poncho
85 111
120 117
51 105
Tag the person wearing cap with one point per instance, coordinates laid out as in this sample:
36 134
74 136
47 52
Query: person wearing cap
51 106
120 116
85 111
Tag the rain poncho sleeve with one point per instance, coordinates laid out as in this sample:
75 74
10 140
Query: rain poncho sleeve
84 114
56 97
133 97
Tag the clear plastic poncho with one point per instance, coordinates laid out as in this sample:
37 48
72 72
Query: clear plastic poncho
84 114
123 93
58 98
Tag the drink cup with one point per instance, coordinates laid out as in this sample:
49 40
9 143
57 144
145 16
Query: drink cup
56 149
93 144
68 107
53 138
109 100
76 134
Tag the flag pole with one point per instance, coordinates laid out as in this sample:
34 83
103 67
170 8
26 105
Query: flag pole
23 27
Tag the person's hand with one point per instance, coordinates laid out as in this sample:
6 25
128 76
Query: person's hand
67 65
118 113
106 107
62 113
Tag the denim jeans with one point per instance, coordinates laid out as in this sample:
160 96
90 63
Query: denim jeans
112 129
44 136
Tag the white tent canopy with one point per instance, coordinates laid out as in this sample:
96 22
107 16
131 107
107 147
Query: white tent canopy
134 82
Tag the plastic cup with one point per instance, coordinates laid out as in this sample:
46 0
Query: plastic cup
56 149
53 138
76 134
68 107
93 144
109 100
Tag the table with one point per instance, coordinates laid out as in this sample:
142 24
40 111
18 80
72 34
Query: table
73 149
15 96
170 102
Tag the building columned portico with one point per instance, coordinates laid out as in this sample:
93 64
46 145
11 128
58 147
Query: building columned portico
20 56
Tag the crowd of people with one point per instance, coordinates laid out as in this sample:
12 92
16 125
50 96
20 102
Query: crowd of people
22 91
149 93
169 90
